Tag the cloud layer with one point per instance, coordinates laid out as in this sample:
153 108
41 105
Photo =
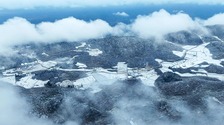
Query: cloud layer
121 14
14 108
21 4
217 19
18 31
160 23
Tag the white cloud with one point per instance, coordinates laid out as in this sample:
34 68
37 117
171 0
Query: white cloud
15 4
216 19
16 31
19 31
160 23
72 29
121 14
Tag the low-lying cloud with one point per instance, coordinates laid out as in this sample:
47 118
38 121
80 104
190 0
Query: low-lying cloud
72 29
217 19
17 31
124 104
160 23
15 110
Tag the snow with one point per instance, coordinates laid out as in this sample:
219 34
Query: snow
37 65
65 83
81 65
122 67
81 46
94 52
10 72
218 38
87 82
98 77
178 53
213 75
165 65
28 82
44 54
193 56
48 64
8 79
148 77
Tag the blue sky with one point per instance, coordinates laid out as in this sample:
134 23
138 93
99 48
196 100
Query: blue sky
26 4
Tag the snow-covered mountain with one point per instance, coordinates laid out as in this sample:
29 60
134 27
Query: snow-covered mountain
123 80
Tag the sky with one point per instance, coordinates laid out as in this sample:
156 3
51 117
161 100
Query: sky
27 4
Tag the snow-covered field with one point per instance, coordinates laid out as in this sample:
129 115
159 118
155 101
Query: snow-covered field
192 56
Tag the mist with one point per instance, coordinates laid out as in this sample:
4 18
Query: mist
121 103
15 110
